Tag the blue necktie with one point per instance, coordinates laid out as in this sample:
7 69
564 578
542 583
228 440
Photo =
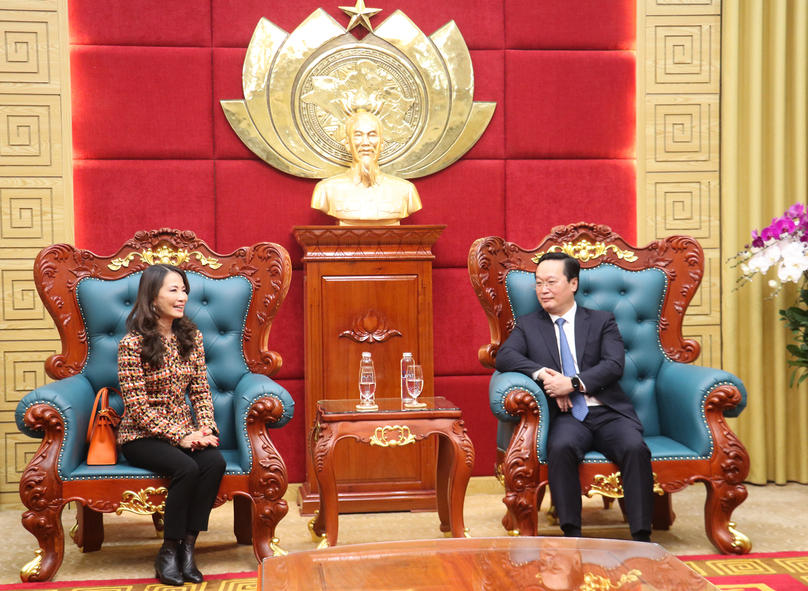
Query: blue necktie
579 408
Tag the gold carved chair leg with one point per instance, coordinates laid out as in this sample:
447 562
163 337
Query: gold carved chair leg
157 519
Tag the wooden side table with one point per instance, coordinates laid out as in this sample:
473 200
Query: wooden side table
392 426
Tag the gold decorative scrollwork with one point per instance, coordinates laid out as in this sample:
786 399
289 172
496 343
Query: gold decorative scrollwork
500 475
404 437
466 534
275 544
164 256
586 251
31 570
593 582
315 537
739 540
609 486
140 502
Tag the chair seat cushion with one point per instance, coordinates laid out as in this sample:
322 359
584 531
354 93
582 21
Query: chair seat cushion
662 448
124 469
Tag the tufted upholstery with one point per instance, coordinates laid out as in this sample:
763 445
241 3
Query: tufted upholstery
682 407
232 300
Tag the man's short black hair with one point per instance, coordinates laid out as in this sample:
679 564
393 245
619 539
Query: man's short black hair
572 268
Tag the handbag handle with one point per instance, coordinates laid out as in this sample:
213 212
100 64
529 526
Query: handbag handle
103 395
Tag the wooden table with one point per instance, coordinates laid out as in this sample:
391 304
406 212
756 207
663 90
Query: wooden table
482 564
392 426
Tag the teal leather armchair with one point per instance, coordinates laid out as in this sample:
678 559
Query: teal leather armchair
682 406
233 300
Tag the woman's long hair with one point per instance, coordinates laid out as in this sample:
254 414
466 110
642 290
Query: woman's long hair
143 319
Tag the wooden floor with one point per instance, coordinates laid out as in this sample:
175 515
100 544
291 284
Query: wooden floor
774 517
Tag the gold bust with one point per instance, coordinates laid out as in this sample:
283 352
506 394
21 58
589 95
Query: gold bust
364 195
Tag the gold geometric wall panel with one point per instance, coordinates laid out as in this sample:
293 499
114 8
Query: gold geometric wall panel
683 57
35 203
27 214
678 144
681 7
18 451
682 133
679 204
709 337
705 308
23 369
29 51
30 145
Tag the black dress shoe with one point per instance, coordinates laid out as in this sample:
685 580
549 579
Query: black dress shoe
641 536
187 564
166 567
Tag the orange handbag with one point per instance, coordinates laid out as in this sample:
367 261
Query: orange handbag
102 431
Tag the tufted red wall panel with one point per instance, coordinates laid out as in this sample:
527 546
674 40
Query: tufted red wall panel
152 149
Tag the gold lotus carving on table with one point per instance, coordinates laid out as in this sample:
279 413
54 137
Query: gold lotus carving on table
300 88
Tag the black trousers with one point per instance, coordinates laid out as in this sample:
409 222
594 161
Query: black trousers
619 439
195 478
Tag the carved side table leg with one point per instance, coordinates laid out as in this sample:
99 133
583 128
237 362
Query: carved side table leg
461 472
446 456
323 439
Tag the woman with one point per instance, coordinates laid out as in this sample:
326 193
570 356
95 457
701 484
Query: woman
159 360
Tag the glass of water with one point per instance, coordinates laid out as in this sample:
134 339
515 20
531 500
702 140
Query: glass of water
367 388
415 385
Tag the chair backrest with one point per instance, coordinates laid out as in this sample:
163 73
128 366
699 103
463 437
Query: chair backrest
233 299
647 289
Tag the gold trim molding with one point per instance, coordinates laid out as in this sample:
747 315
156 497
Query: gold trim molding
140 502
405 437
164 256
610 486
586 251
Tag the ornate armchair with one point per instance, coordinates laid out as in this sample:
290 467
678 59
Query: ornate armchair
682 406
233 301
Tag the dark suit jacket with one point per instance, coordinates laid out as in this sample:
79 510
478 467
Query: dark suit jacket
598 347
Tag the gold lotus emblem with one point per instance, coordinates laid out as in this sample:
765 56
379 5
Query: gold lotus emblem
300 88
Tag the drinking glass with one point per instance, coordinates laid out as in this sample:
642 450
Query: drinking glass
367 388
415 384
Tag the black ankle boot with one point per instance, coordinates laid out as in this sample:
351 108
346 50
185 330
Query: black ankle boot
187 564
166 566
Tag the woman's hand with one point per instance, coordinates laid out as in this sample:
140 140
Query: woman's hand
199 439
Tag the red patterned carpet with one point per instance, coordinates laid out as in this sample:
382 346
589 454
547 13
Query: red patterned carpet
782 571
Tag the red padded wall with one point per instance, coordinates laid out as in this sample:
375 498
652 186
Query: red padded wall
153 149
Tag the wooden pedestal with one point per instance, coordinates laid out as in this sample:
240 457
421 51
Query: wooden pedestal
368 289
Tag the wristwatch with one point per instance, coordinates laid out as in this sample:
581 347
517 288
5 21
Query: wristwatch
576 383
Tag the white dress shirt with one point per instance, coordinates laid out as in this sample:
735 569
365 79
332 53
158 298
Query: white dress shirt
569 332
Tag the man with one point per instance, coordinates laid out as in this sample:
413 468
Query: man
577 355
364 195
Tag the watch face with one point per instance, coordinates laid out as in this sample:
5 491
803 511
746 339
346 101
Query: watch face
576 383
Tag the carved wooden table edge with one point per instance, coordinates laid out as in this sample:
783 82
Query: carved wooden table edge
454 463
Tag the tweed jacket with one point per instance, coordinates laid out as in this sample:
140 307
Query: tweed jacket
154 398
